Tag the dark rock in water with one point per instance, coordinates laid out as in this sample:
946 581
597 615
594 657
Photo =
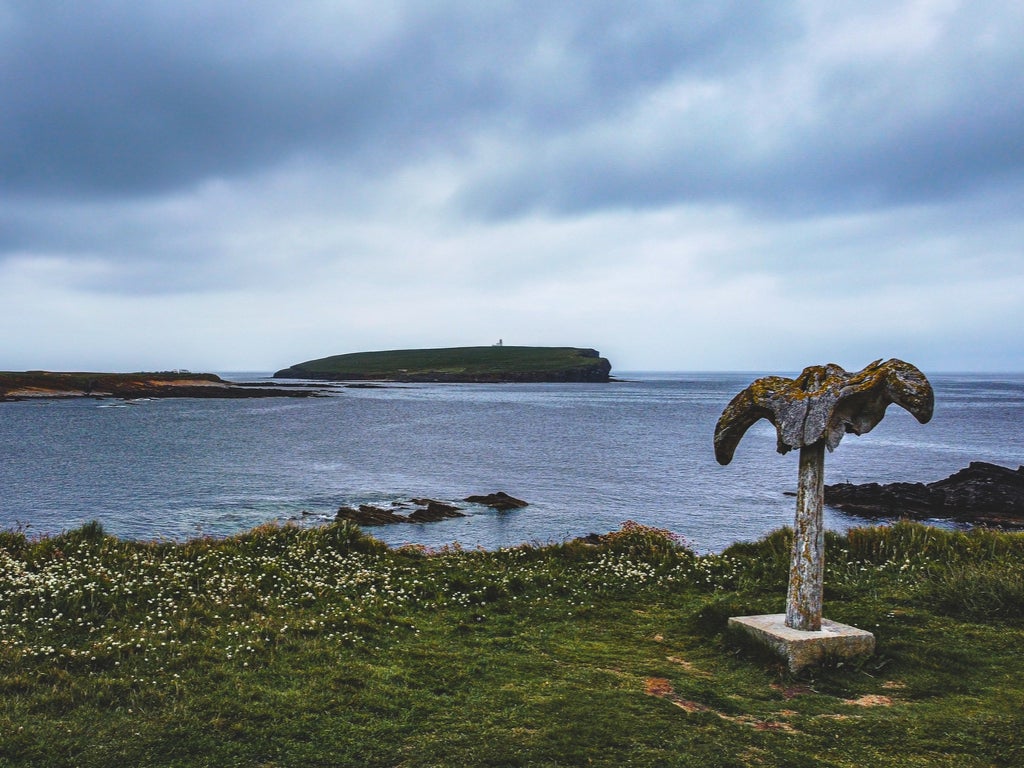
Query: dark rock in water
433 512
983 493
369 516
430 511
500 501
427 511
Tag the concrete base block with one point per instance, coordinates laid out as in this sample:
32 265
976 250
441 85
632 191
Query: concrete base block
803 649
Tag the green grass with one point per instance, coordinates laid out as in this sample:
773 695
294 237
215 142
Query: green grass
291 647
454 361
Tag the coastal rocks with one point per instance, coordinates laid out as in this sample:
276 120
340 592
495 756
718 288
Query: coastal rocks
369 515
426 510
433 511
500 501
983 493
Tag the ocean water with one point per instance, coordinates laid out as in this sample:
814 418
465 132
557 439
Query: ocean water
587 457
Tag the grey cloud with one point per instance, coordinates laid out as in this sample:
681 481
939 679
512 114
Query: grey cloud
115 99
326 160
921 127
121 103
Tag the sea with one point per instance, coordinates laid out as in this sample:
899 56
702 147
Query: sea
586 457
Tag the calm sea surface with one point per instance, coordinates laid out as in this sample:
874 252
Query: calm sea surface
586 457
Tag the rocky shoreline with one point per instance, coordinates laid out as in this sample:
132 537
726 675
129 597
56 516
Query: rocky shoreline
31 385
981 494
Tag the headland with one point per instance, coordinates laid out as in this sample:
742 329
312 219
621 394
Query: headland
459 364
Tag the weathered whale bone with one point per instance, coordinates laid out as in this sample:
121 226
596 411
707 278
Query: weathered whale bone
823 403
813 412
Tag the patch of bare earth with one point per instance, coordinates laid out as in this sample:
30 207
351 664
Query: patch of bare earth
662 689
871 700
868 700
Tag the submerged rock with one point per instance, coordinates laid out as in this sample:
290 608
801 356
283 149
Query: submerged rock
500 501
982 493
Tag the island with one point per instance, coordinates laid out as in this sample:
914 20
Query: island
492 364
133 386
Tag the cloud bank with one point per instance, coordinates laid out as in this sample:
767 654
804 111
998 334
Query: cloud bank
698 185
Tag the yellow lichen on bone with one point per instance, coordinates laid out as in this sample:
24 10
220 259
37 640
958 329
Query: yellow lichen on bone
824 402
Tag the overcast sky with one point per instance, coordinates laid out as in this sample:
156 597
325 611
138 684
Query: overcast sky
683 185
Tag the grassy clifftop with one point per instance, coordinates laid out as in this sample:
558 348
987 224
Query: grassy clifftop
458 364
317 647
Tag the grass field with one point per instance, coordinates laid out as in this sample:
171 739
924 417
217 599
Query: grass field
471 362
291 647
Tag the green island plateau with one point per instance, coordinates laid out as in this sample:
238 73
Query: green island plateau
459 364
36 384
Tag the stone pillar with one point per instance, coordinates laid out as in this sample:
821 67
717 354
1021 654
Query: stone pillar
807 565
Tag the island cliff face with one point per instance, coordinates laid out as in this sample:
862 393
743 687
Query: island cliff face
459 364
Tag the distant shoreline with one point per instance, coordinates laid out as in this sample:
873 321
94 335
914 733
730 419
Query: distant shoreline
33 385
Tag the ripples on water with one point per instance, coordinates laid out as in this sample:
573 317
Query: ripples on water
586 456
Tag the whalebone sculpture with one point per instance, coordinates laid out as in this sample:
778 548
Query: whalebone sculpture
813 412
